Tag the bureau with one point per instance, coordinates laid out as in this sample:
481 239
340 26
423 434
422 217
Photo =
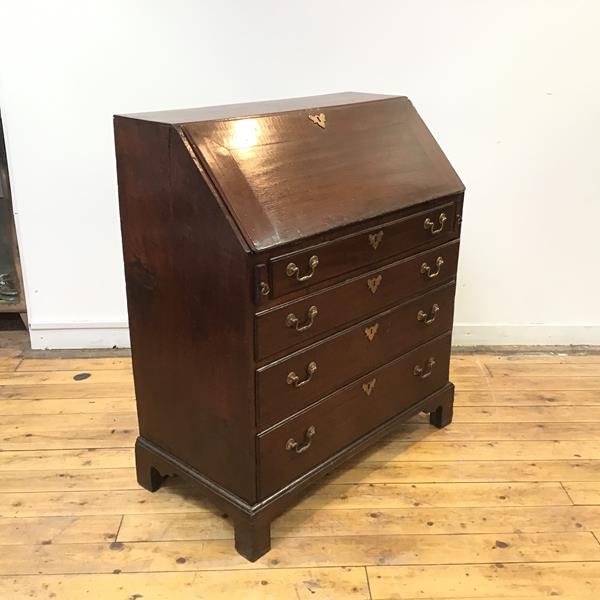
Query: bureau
290 270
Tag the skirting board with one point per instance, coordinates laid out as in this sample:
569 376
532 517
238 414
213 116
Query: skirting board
72 336
465 334
66 336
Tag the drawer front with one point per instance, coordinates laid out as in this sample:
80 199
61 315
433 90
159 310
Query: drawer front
291 384
295 323
291 449
298 270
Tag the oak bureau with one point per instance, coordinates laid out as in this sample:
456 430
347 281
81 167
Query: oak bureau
290 270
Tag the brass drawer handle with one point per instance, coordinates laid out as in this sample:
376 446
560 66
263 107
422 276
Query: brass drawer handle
426 269
429 224
293 379
428 318
419 371
292 270
292 444
293 321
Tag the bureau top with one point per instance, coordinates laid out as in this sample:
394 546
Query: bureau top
291 169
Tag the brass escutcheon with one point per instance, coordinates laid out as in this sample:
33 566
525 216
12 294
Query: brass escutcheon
374 282
370 332
368 386
375 239
319 120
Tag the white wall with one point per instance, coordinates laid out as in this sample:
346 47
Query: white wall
511 89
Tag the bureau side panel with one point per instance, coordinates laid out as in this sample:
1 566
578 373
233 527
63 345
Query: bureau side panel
190 313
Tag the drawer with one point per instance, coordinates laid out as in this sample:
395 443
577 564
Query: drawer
295 323
292 383
292 448
298 270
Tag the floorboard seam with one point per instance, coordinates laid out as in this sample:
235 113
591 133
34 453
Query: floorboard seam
368 582
567 493
119 528
306 567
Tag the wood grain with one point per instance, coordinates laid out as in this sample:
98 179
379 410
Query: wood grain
577 580
391 495
300 552
57 406
495 431
14 391
527 398
584 492
493 506
388 521
74 364
449 471
59 377
87 458
53 530
493 450
41 432
341 583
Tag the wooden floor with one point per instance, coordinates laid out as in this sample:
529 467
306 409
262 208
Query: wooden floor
504 503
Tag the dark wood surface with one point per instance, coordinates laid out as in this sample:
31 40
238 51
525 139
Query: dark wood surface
263 512
349 413
351 300
267 301
371 159
252 109
212 214
188 403
373 245
349 354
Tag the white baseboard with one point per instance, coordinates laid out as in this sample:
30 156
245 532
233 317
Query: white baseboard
67 336
54 336
466 334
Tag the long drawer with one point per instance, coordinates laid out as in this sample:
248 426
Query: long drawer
292 448
298 270
296 323
292 383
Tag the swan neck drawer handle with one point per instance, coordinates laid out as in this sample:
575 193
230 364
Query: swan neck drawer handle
292 444
426 269
422 372
292 270
428 319
429 224
293 321
293 379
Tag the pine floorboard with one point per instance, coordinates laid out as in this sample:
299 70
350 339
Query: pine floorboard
503 503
